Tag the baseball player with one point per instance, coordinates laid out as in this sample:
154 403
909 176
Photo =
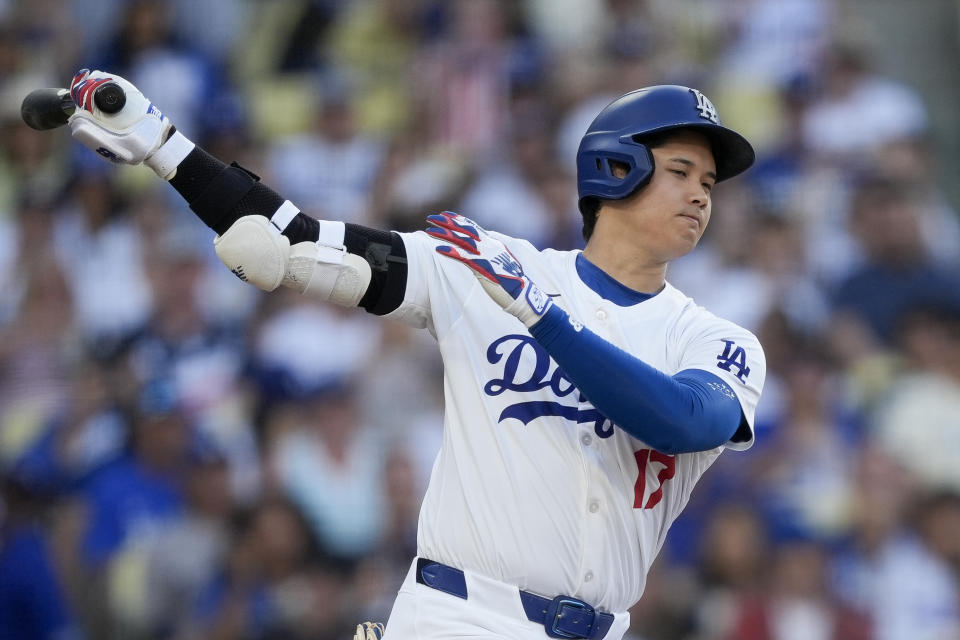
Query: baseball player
585 396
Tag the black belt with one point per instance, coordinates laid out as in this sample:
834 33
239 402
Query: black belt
561 617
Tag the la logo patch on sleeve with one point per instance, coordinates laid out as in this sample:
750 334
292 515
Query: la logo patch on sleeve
734 356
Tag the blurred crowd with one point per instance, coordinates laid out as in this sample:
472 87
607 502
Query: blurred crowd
184 457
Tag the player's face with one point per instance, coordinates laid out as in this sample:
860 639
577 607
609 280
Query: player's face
670 214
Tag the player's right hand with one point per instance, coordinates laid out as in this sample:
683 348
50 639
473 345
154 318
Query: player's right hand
133 135
499 272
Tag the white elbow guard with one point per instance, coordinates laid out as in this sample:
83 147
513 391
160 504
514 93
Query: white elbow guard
255 251
326 270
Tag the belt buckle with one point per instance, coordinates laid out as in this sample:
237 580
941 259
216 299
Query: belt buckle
554 617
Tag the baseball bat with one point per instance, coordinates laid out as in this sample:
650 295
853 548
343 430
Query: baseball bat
51 108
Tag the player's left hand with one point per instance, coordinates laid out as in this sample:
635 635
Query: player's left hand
369 631
136 134
498 271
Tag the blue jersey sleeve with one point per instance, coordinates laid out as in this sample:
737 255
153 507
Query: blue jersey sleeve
693 410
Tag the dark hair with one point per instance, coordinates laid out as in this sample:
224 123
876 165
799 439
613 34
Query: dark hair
590 208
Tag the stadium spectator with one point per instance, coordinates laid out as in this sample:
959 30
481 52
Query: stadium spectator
33 603
193 547
330 465
330 169
271 585
101 252
918 421
897 271
859 110
796 602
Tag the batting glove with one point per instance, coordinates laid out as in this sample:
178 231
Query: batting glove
369 631
498 271
136 134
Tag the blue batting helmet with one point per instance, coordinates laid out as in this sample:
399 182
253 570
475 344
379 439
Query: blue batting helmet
617 134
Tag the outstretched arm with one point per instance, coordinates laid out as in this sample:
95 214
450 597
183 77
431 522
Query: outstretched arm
261 237
267 241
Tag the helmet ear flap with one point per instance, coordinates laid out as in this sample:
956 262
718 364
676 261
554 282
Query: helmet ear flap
637 169
612 174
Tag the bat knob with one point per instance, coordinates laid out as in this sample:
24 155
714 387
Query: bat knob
109 98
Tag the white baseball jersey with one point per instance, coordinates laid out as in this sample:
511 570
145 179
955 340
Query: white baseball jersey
532 486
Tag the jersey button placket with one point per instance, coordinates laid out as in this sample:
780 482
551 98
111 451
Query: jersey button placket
595 523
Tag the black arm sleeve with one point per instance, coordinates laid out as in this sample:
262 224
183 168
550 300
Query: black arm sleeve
220 194
387 257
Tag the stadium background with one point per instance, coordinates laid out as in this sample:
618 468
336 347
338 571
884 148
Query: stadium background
183 457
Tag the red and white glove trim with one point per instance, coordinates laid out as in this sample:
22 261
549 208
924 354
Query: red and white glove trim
499 272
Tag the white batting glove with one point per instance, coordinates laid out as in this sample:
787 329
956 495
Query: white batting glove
498 271
369 631
136 134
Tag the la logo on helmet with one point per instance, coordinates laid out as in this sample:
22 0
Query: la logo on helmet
706 108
